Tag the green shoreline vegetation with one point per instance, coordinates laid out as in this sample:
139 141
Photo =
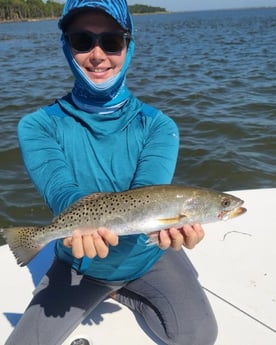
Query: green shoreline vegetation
31 10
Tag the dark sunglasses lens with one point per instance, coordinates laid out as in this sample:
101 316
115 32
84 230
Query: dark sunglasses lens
109 42
112 43
81 41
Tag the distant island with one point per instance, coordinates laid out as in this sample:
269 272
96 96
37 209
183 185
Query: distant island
22 10
143 9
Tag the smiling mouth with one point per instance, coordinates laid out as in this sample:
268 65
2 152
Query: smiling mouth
99 70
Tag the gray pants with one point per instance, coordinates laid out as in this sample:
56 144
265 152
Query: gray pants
168 297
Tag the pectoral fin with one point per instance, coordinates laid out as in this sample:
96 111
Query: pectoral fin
172 220
167 222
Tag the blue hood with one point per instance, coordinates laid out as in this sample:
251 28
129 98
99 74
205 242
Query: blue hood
112 93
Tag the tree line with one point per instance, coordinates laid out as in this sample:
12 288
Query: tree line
28 9
140 9
16 10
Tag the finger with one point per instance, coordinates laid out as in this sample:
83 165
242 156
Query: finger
176 238
100 245
77 245
67 242
108 236
199 230
164 240
190 236
88 246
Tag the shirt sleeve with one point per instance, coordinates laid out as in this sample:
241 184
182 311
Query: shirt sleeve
158 158
54 177
45 162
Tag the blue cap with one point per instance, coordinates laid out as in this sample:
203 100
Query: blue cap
118 9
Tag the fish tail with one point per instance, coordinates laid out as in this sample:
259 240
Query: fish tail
21 243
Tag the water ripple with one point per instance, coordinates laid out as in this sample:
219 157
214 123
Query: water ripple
214 73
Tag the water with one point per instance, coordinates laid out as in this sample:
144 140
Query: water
213 72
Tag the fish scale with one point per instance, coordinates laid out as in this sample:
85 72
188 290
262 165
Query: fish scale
141 210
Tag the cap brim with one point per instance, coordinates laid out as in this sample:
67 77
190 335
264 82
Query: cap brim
67 19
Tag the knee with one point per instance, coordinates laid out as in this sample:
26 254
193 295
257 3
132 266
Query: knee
203 332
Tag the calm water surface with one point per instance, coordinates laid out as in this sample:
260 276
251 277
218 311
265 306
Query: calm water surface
213 72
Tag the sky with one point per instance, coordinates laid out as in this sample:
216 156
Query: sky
198 5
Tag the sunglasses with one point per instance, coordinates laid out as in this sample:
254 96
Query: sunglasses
109 42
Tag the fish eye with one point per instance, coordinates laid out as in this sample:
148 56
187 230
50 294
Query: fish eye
225 202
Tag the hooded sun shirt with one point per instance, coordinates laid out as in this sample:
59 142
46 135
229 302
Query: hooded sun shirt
87 142
111 94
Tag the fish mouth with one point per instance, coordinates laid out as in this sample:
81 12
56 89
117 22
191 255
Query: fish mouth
237 212
225 215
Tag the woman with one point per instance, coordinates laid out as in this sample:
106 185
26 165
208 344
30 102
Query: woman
101 138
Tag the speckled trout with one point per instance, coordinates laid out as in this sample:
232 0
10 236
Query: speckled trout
143 210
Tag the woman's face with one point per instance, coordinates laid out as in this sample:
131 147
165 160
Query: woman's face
97 64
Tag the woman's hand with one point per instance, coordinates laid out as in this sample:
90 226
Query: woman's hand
92 245
188 236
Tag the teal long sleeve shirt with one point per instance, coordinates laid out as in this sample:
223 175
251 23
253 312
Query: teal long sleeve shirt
69 153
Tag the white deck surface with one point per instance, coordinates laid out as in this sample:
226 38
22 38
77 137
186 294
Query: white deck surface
236 263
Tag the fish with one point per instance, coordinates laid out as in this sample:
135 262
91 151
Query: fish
144 210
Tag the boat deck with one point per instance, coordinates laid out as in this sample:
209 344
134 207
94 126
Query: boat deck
236 266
